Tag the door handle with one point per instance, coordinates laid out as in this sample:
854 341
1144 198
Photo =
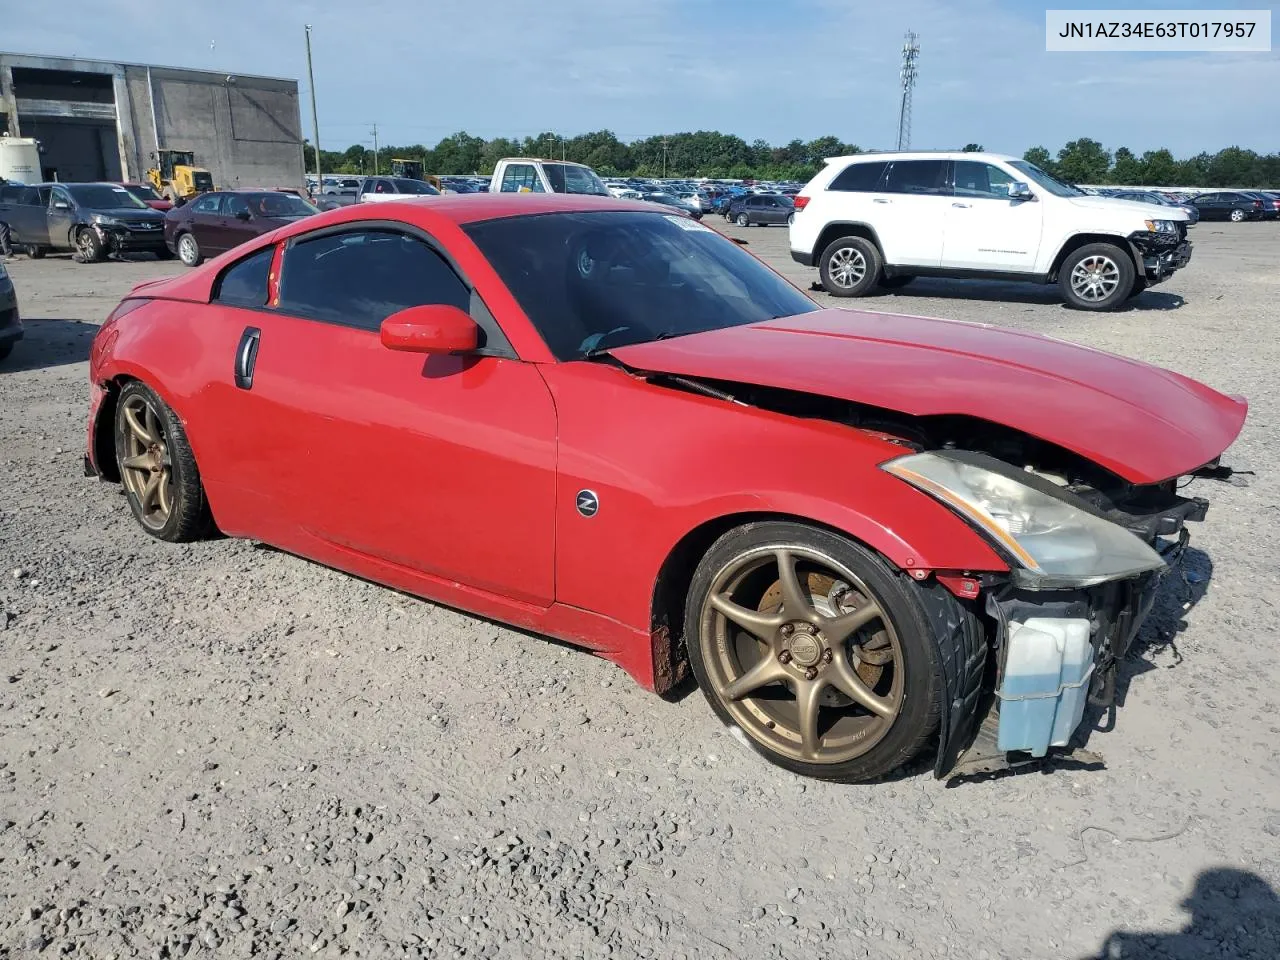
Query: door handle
879 200
247 357
962 206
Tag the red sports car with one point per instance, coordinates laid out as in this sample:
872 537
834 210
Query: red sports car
608 423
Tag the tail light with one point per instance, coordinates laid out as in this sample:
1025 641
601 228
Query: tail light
800 202
124 308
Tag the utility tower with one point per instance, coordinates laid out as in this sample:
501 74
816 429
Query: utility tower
910 55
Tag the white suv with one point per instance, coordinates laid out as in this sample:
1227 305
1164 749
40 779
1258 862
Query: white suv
882 219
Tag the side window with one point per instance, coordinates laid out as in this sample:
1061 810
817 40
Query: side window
58 195
859 177
1225 197
914 176
519 177
42 195
235 205
244 284
209 203
975 179
359 279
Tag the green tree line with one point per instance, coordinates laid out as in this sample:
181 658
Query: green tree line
708 153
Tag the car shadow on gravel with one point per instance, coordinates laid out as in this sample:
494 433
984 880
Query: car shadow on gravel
1183 588
50 343
929 288
1233 913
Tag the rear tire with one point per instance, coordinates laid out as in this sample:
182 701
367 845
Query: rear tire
158 469
1237 216
743 220
849 267
1097 276
36 252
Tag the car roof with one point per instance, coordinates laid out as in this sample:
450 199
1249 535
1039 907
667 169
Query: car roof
922 155
462 208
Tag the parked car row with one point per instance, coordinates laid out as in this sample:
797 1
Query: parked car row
1234 205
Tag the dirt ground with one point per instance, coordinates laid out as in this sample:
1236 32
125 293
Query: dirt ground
224 748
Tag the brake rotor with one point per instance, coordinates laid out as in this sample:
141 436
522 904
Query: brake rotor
870 657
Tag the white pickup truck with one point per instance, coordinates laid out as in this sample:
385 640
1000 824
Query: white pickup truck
528 175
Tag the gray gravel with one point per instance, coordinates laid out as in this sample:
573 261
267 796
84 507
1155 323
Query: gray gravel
222 747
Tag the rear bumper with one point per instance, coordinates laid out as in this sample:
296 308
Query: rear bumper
799 256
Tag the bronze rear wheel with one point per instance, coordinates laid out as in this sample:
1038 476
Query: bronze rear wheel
157 467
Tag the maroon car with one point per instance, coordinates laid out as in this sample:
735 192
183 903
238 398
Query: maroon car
147 194
215 222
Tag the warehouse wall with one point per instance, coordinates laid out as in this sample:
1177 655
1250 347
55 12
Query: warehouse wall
246 132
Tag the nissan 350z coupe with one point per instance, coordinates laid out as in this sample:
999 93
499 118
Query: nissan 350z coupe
865 535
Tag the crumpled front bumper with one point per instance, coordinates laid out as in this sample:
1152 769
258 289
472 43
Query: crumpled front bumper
1160 255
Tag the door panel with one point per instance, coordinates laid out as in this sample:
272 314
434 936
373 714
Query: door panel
985 230
909 212
442 464
60 220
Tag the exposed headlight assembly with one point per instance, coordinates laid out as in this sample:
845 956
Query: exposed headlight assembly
102 220
1161 226
1051 541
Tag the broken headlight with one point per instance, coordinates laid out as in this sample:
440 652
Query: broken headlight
1053 542
1161 226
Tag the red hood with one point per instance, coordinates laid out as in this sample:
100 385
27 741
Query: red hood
1144 423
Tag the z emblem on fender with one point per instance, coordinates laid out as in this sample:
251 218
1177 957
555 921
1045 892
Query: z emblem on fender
588 503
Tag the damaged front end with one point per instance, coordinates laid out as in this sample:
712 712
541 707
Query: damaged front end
1086 563
1161 252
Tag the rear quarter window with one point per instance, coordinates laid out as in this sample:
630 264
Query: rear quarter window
859 176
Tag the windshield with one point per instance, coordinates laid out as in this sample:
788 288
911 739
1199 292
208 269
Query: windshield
104 196
592 281
142 191
281 205
1059 188
567 178
416 186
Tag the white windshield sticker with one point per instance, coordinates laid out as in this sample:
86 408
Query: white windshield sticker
685 223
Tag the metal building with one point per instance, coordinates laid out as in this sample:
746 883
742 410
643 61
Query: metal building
97 120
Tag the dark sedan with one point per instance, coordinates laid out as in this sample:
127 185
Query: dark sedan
10 322
761 209
1229 205
215 222
1270 202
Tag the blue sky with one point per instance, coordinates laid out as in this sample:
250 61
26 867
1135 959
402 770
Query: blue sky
774 70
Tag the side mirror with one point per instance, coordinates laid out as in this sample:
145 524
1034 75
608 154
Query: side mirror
61 205
244 215
1020 191
435 328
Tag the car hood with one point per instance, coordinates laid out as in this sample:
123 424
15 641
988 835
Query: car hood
129 213
1143 423
1148 211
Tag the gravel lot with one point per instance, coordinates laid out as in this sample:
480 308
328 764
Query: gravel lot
222 747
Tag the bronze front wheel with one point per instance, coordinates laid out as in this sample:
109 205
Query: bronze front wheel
157 467
815 650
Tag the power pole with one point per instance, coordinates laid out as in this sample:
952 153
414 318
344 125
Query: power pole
664 156
375 149
550 139
315 117
910 54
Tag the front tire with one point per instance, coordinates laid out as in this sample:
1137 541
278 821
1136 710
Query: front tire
849 267
815 649
89 245
36 252
189 250
157 467
1237 216
1097 276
